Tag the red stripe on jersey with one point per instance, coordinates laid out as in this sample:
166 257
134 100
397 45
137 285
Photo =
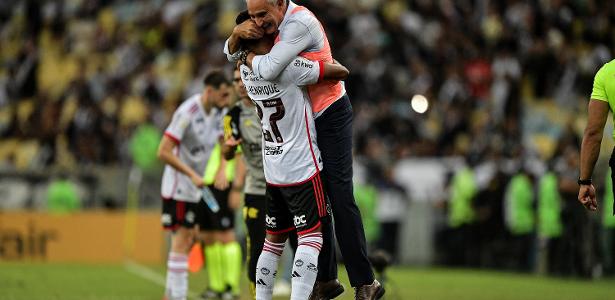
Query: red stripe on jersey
280 231
180 207
172 137
322 196
319 196
316 196
321 74
309 229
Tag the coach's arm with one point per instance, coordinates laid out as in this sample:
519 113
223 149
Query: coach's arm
296 38
165 154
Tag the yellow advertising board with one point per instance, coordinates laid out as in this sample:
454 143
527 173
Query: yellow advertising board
81 237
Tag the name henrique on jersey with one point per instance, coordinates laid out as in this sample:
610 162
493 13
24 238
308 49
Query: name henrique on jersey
290 153
196 135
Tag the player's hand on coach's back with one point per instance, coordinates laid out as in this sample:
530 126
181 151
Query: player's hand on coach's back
587 196
248 30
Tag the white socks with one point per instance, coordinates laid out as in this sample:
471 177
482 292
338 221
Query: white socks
266 269
305 266
177 276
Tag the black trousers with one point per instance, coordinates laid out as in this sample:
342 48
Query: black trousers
254 216
334 137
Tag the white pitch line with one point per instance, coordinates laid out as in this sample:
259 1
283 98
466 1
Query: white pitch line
149 274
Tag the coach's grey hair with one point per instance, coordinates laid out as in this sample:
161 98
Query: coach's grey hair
272 2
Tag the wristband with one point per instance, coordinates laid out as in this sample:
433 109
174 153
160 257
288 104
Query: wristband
584 181
243 56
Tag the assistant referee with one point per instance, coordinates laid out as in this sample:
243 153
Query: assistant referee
602 100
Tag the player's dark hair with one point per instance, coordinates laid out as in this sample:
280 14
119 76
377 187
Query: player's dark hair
215 79
242 16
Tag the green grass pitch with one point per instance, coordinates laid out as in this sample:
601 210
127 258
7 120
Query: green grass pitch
33 281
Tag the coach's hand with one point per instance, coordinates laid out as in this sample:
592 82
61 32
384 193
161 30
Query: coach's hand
248 30
587 196
197 180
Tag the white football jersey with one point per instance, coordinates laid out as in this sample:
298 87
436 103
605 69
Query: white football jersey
196 135
290 153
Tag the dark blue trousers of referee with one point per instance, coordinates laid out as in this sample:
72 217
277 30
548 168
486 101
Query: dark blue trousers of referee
334 137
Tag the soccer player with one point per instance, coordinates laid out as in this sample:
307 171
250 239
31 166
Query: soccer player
300 33
292 164
242 128
602 100
185 149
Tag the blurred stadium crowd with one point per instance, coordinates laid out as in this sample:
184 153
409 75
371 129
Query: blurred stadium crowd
84 81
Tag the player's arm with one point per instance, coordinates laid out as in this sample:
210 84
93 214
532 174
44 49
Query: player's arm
165 154
295 39
234 198
245 30
334 71
221 181
240 173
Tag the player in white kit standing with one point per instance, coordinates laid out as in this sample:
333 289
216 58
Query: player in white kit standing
292 164
185 148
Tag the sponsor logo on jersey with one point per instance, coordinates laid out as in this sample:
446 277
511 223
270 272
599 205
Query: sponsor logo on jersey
273 150
270 220
299 221
197 149
302 64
